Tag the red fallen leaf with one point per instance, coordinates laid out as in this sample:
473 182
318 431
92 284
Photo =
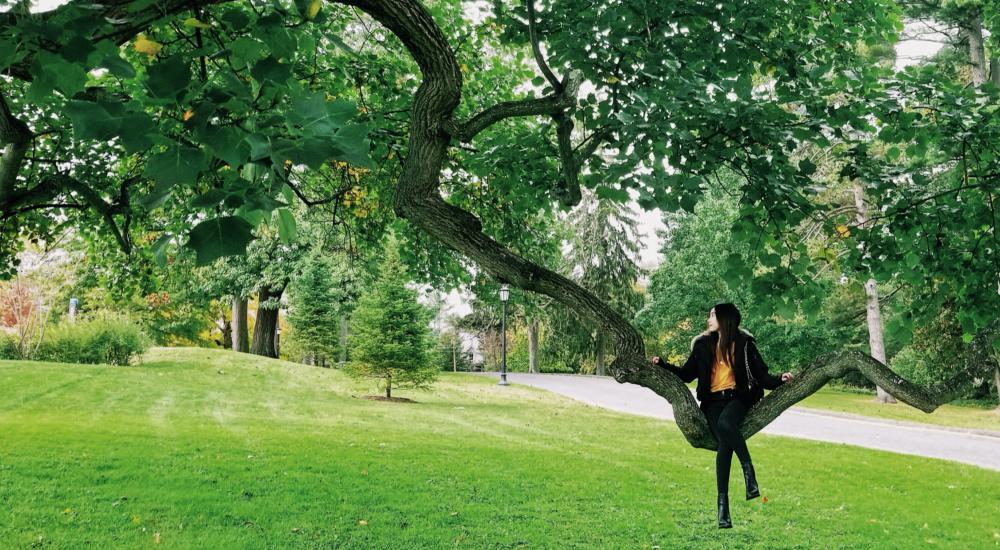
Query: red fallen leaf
765 500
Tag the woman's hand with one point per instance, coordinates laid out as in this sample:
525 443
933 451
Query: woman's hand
786 377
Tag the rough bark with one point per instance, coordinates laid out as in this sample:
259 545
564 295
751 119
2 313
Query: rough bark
533 346
977 54
418 199
872 309
15 136
227 334
241 338
266 325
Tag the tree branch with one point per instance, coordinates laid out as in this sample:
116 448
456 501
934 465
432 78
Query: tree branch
537 50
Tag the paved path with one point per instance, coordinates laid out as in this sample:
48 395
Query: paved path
978 447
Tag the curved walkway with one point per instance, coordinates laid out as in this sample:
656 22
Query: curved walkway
977 447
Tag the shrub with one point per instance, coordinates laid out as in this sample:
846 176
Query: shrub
110 340
8 346
919 367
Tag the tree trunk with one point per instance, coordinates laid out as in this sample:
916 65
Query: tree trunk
265 329
533 346
240 339
996 373
599 356
227 334
343 340
977 54
454 353
874 314
995 71
388 387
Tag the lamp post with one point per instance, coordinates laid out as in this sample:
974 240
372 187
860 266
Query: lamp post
504 295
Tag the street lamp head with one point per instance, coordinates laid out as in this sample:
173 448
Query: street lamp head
504 293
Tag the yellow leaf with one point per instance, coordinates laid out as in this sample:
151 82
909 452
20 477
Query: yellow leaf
362 522
313 10
156 538
613 80
194 23
843 230
188 114
147 46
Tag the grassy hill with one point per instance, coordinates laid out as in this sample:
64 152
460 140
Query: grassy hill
212 449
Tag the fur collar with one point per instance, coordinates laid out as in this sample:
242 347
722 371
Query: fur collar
742 330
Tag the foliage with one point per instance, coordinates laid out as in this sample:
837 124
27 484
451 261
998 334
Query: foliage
449 355
110 340
313 310
390 337
933 356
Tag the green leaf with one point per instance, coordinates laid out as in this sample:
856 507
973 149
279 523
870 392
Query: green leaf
744 86
227 144
91 120
270 69
157 196
286 226
178 164
352 140
160 249
169 78
218 237
209 198
50 72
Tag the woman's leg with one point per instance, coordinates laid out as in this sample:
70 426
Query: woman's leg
729 420
724 454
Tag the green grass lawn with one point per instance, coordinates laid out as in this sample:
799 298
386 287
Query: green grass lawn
965 415
211 449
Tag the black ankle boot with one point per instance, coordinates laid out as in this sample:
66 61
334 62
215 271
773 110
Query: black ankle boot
751 480
725 522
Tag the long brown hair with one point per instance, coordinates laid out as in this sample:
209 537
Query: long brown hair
728 318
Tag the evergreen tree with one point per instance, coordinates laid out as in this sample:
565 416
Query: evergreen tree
313 314
390 340
603 239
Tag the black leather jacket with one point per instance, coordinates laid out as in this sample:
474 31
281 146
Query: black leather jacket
699 365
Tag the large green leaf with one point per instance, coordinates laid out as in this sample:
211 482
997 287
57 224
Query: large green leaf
352 141
286 226
169 78
178 164
218 237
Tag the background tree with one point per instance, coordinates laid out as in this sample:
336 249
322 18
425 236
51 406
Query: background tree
390 340
312 312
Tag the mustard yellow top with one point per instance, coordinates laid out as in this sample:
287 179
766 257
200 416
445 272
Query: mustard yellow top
722 374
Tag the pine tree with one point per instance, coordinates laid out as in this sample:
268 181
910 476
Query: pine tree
313 313
391 339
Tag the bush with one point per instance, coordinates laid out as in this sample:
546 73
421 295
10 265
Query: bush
8 346
111 340
918 367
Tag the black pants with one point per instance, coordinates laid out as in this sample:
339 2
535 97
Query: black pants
724 417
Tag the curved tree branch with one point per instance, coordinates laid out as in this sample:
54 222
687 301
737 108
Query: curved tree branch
418 199
537 50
